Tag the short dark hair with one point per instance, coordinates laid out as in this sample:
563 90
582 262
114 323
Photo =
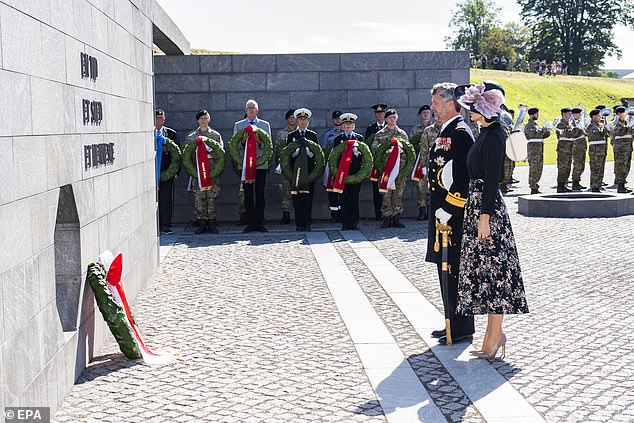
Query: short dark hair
202 113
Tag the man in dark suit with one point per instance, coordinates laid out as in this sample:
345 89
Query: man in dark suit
449 187
166 188
379 114
302 195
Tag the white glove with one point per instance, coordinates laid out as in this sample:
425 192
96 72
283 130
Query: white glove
390 150
278 169
296 152
548 125
443 216
309 153
630 124
609 126
209 149
355 151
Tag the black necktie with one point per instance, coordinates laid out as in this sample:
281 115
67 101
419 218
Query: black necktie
251 122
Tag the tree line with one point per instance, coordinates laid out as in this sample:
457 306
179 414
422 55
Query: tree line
578 32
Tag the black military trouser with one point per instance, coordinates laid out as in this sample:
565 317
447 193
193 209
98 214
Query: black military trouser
303 206
166 190
254 207
460 325
333 202
377 197
350 205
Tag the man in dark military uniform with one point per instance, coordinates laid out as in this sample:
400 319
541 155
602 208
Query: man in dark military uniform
350 195
449 185
379 113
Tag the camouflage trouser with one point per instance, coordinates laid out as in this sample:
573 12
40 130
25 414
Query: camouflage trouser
241 208
509 165
422 193
205 201
597 164
287 202
392 202
622 159
579 148
535 163
564 161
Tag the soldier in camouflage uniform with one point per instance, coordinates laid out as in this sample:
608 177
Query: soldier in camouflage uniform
392 201
579 148
427 139
278 143
509 165
597 140
422 191
205 201
565 134
622 145
535 136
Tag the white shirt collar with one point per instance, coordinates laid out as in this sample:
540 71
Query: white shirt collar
444 125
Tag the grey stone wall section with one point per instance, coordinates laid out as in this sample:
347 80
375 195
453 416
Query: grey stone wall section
42 136
322 82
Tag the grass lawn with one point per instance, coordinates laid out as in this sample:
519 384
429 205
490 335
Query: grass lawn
550 94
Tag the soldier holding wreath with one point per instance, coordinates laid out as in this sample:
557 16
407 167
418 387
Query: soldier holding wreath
350 162
302 163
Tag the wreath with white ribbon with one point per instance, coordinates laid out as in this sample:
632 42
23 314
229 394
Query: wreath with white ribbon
380 157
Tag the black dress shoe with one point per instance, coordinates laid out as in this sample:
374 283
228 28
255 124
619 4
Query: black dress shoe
454 340
261 228
299 228
248 229
438 333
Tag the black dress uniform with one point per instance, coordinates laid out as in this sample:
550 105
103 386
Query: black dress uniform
166 188
371 130
452 145
303 203
349 198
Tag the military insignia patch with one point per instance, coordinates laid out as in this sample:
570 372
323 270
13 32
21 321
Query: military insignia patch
440 161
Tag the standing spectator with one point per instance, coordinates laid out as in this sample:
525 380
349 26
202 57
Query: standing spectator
483 62
503 63
564 68
496 62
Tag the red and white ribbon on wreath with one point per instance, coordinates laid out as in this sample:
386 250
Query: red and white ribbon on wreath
114 266
249 161
202 165
392 168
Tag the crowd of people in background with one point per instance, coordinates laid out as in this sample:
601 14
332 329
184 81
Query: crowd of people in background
540 67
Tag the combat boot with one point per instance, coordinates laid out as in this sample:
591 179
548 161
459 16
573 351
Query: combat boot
387 222
576 186
622 190
397 221
561 187
422 213
286 218
202 227
504 188
212 227
535 191
596 189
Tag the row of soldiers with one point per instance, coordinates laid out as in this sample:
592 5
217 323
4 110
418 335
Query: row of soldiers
575 138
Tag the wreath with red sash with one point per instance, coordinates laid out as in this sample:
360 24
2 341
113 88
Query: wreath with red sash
344 151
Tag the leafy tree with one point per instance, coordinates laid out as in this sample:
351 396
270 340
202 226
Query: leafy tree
578 31
471 22
509 40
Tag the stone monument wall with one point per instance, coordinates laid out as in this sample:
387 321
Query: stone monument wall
78 177
321 82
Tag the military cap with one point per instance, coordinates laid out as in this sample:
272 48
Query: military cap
202 113
594 112
565 110
577 110
533 110
290 113
303 112
348 117
616 106
379 107
336 114
620 109
390 112
423 107
600 107
160 112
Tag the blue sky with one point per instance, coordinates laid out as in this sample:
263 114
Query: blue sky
328 26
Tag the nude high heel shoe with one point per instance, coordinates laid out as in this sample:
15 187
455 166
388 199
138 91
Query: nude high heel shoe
501 343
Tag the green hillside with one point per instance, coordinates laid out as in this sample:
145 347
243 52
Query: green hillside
550 94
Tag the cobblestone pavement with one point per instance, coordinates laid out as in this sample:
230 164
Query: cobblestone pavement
269 344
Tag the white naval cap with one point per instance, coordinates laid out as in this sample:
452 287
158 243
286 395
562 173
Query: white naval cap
303 112
348 117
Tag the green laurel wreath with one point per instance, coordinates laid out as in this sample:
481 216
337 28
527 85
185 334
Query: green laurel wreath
415 141
236 139
380 159
219 155
112 313
175 161
328 150
318 157
366 163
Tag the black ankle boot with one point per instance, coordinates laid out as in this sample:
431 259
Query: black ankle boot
387 222
622 190
212 227
535 191
286 218
243 219
596 189
576 186
561 187
202 227
397 221
422 213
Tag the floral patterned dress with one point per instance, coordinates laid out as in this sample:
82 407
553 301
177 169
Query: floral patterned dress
490 278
